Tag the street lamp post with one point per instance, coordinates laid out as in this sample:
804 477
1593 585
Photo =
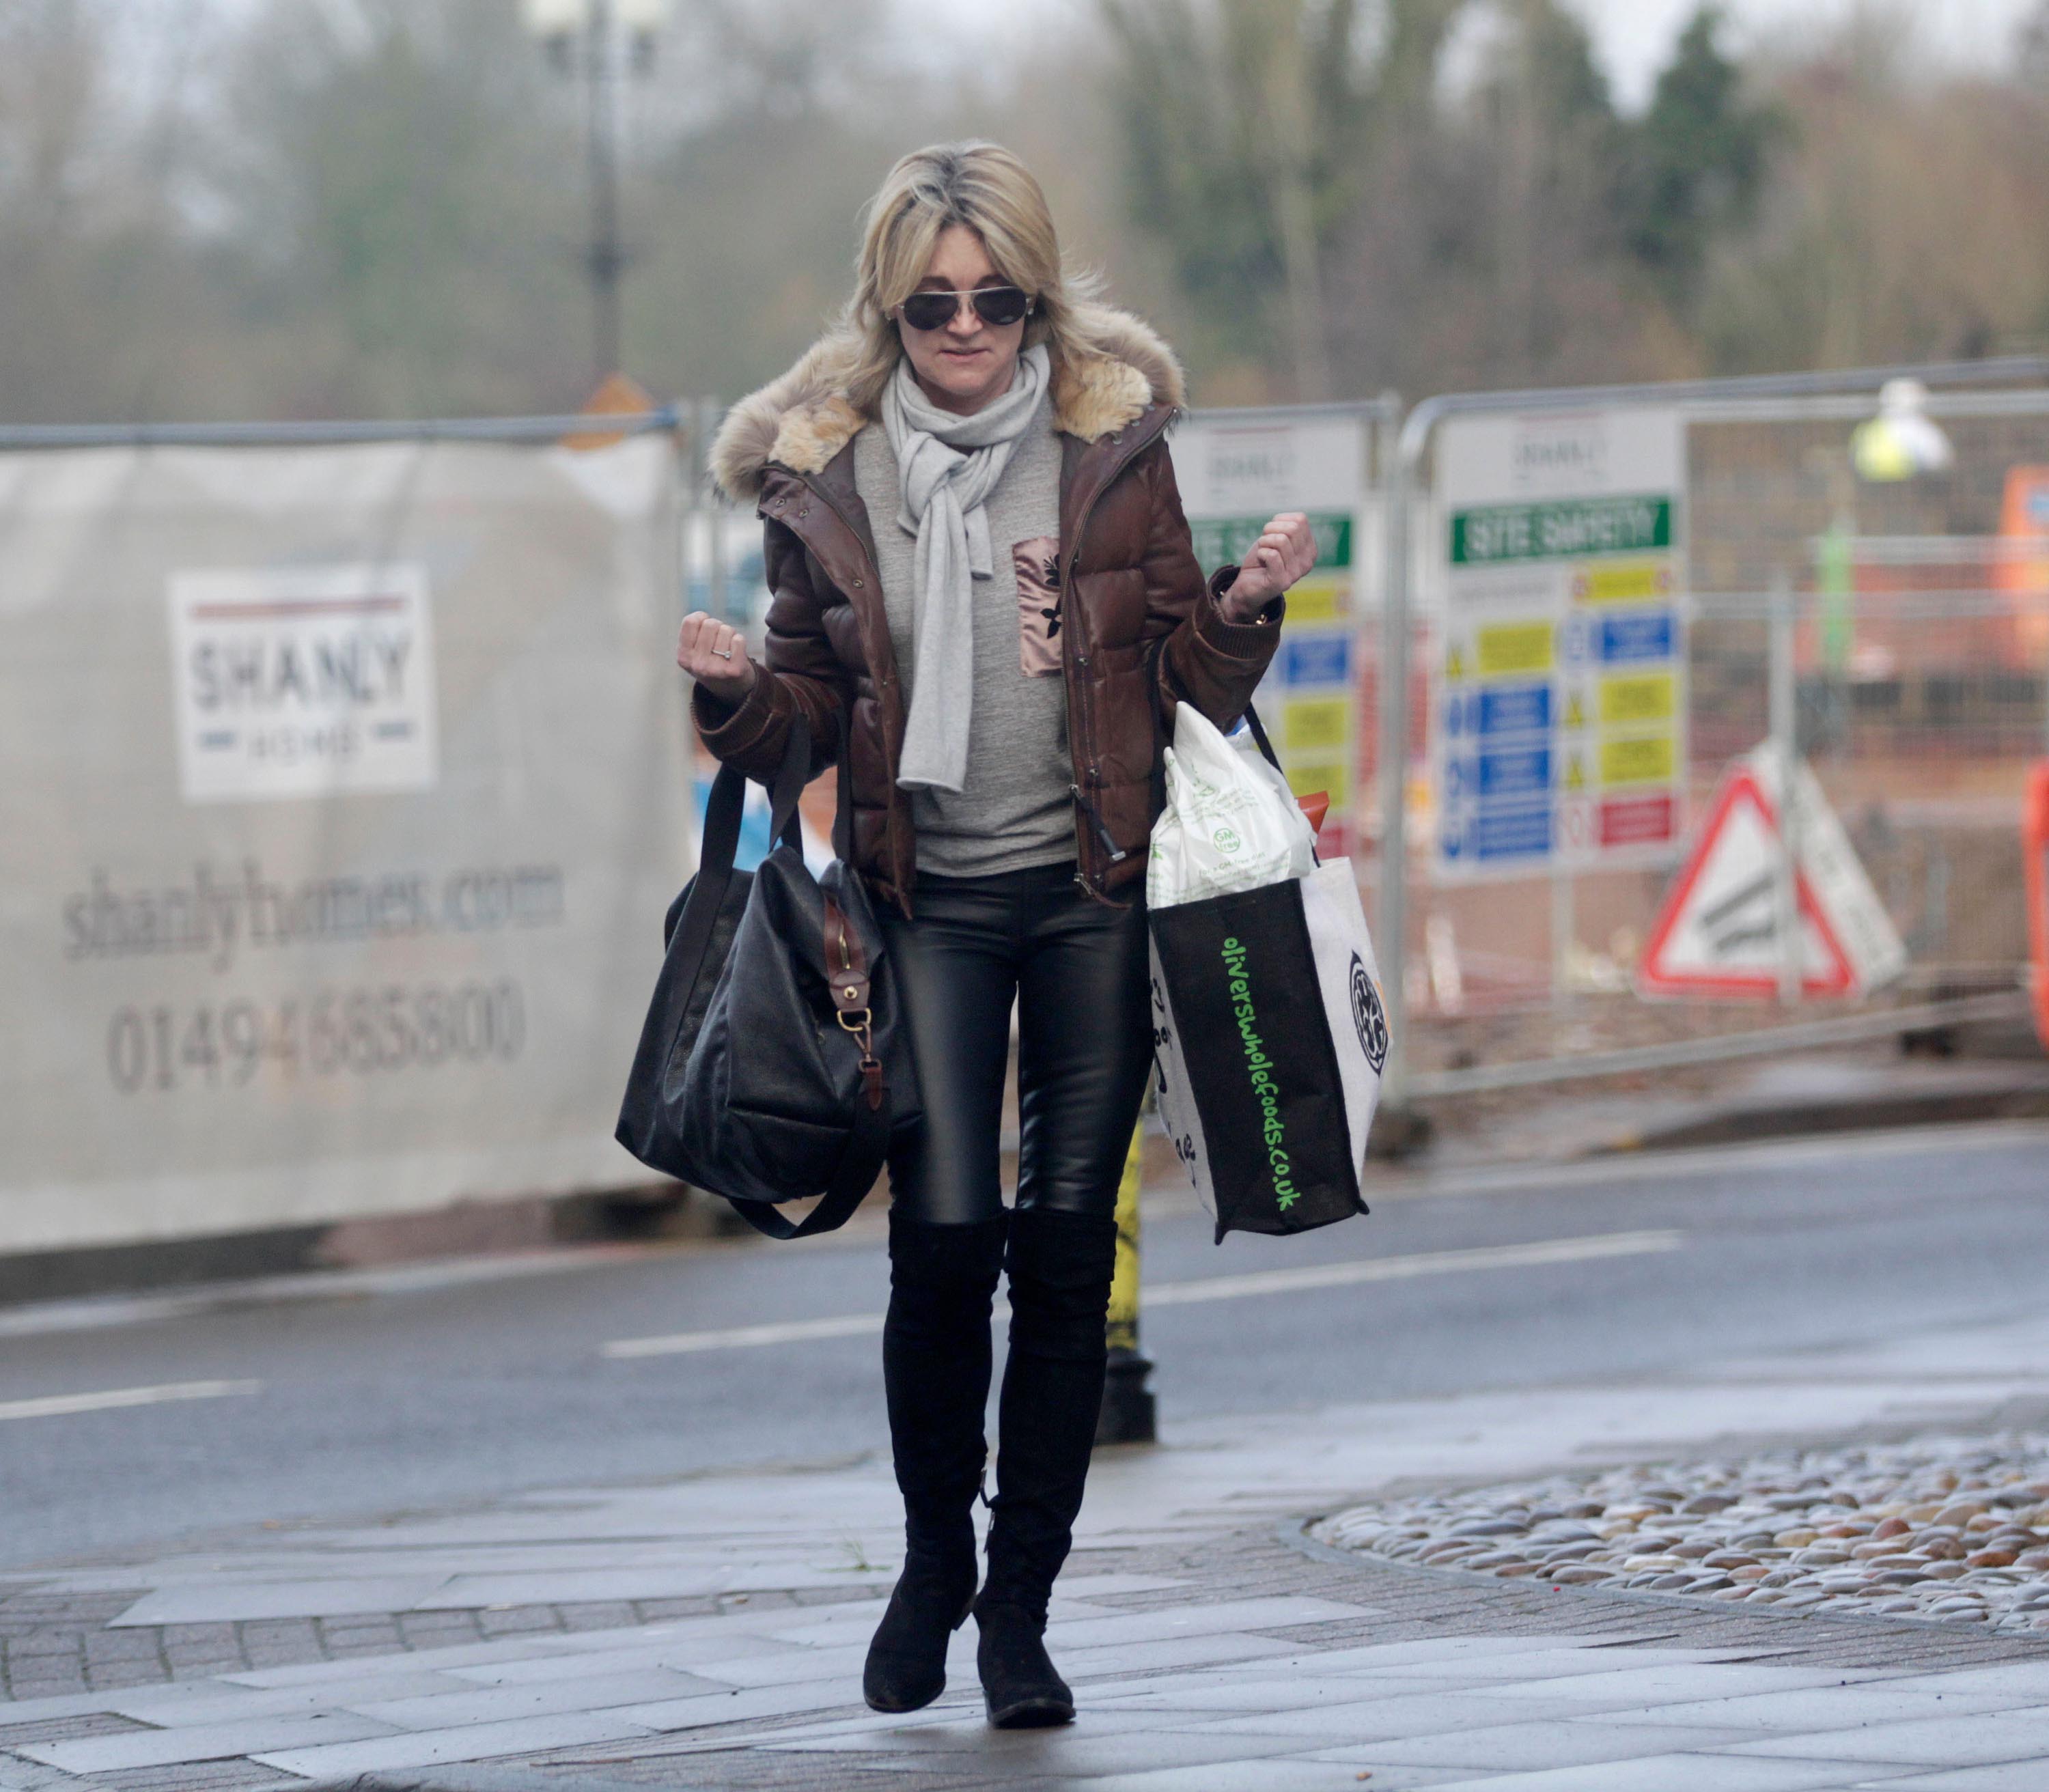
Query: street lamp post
607 259
602 30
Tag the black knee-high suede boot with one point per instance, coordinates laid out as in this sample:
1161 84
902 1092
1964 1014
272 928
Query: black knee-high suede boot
1059 1266
935 1367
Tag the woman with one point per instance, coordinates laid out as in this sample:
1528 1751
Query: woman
976 551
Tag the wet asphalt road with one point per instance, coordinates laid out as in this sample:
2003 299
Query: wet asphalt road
441 1390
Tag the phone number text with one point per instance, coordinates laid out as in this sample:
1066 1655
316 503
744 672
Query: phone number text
332 1033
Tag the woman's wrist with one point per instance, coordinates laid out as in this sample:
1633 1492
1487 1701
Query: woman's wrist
733 691
1238 606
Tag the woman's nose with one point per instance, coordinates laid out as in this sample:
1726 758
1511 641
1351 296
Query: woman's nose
966 321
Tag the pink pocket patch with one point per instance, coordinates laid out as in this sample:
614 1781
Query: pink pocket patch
1038 564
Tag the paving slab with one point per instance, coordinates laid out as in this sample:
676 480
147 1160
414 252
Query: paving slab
212 1701
475 1742
1526 1748
1388 1719
1663 1683
1966 1739
1282 1774
2026 1777
1824 1707
743 1704
203 1741
1682 1773
2026 1680
447 1710
231 1599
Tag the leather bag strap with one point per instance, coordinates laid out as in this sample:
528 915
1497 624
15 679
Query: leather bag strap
843 815
868 1138
785 822
795 774
716 846
865 1145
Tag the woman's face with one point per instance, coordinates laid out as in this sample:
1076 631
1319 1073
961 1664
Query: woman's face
966 363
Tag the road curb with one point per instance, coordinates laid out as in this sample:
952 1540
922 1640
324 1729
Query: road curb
1745 1122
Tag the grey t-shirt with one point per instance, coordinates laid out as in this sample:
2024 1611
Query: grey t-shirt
1014 809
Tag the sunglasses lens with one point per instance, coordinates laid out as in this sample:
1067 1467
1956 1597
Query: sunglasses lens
930 311
1001 305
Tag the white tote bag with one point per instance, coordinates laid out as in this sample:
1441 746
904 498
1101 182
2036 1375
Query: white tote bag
1269 1033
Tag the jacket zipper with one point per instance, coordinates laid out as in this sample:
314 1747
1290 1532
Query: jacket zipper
1110 845
1139 443
874 579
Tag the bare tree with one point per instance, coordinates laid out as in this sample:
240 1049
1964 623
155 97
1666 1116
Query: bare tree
1250 129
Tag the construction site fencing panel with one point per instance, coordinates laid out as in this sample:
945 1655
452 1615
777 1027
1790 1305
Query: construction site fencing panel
343 804
1908 622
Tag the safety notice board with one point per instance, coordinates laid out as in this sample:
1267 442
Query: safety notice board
1236 472
1558 726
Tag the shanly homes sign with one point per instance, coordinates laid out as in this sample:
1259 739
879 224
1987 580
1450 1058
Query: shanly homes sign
293 683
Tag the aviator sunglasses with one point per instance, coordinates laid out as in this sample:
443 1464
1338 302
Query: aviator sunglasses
998 306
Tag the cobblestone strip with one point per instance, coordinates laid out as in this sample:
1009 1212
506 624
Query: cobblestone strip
1952 1529
52 1645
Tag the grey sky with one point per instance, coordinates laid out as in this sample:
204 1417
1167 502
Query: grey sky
1634 37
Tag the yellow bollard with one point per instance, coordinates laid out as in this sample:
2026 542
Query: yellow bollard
1128 1415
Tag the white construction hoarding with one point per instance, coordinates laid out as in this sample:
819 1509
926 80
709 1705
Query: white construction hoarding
345 791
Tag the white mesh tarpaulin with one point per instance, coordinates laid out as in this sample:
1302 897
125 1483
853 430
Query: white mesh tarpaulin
344 789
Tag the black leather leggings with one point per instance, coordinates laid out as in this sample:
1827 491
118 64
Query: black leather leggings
1077 969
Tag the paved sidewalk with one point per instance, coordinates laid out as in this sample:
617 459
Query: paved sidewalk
709 1633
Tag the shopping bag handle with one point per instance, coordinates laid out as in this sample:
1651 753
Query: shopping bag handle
1152 664
1158 779
1259 737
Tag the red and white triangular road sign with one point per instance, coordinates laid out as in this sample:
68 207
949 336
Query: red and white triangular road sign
1717 934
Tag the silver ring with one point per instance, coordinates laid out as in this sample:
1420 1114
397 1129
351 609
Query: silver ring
723 653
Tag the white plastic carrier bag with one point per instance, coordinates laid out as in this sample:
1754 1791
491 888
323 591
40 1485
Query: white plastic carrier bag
1269 1031
1230 822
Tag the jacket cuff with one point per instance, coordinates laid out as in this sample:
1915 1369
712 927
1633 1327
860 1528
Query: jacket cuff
730 731
1251 641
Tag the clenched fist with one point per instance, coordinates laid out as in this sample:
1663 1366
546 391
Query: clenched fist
716 656
1286 550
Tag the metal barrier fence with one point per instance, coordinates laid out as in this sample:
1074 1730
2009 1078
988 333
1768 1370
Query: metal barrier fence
1882 631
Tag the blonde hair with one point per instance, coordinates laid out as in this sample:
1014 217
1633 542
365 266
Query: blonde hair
986 189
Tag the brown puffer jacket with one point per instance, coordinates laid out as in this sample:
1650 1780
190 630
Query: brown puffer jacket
1136 603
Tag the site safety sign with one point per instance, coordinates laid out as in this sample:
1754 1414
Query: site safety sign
1558 726
1234 474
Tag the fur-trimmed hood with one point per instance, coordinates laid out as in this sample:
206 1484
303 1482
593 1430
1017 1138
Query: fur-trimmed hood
802 419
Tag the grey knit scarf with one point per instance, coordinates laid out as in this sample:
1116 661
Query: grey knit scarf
947 465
